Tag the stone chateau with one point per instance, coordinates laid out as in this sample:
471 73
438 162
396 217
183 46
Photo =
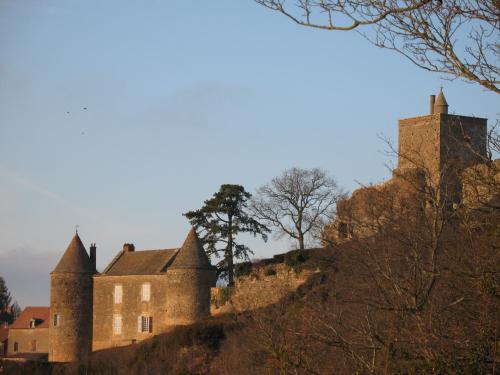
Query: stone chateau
138 295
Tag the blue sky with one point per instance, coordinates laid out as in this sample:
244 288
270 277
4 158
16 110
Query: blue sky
181 97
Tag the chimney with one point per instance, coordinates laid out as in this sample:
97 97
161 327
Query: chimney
93 256
432 101
128 247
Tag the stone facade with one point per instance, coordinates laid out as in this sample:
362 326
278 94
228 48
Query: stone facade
443 146
71 301
130 309
265 285
28 341
139 295
29 334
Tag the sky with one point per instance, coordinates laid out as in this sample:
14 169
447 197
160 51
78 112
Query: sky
119 116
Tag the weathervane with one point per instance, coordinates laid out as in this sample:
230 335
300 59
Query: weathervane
76 228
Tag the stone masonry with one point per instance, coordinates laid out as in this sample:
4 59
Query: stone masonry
140 294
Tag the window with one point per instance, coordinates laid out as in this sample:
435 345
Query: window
145 324
33 345
146 292
16 347
117 324
118 293
56 320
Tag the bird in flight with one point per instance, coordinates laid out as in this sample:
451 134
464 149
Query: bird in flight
84 108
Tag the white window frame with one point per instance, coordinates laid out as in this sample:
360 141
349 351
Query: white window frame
117 324
146 292
144 324
118 294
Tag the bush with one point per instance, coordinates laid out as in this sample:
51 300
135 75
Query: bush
295 259
243 269
223 297
270 271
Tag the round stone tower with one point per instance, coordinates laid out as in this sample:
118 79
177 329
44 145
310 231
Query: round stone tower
70 328
190 277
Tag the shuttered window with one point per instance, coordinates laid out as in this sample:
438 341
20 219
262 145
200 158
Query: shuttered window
146 292
145 324
118 293
117 324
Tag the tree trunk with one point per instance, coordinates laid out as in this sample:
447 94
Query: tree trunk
229 254
301 241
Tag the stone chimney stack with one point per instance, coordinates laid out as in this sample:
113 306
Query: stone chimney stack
128 247
93 256
432 102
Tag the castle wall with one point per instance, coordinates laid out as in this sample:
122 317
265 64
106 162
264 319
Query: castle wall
71 299
264 286
24 339
130 309
189 294
419 143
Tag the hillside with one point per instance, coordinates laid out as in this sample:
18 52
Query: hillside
348 316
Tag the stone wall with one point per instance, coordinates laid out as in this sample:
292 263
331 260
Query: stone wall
189 295
71 299
442 145
419 143
25 338
130 309
265 285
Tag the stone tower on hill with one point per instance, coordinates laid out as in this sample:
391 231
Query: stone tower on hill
441 145
434 151
189 275
70 328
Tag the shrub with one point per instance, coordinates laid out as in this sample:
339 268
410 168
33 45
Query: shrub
223 297
295 259
243 269
270 271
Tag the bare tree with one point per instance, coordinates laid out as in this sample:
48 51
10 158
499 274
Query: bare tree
298 203
457 38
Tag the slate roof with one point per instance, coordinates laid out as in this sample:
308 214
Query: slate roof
75 258
40 313
441 100
191 254
144 262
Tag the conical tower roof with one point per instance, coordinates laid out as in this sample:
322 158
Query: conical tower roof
191 254
440 105
75 258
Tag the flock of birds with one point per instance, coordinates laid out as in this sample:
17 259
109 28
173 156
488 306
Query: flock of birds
84 108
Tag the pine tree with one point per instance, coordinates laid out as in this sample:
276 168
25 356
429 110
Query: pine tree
218 223
5 302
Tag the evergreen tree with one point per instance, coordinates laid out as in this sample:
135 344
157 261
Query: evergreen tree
218 223
5 303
